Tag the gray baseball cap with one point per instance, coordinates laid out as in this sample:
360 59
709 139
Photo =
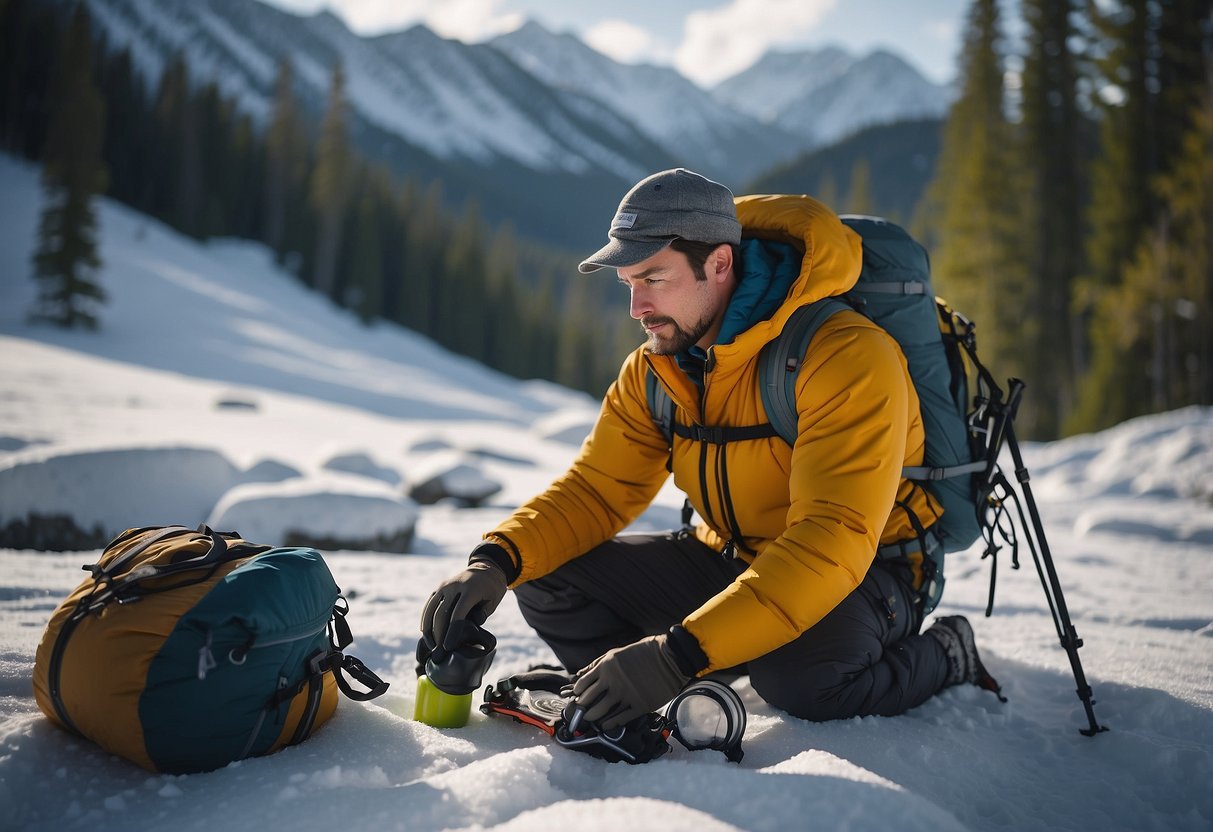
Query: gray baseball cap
667 205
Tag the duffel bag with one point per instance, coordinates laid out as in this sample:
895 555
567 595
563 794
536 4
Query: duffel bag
188 649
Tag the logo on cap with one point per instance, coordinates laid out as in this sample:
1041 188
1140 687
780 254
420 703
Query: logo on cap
623 219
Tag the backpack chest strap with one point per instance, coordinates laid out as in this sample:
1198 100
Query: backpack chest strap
717 435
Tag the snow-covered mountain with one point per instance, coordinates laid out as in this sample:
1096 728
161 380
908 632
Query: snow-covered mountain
523 120
826 95
448 99
700 130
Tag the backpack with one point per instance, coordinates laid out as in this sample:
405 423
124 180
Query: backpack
188 649
894 291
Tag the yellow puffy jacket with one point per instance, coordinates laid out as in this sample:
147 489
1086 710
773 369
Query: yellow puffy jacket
813 513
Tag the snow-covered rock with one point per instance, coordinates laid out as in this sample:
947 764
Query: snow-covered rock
327 513
361 464
270 470
569 427
81 499
450 475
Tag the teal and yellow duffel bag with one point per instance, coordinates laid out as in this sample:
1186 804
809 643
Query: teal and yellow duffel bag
188 649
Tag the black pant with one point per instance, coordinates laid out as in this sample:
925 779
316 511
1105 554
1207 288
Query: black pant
865 657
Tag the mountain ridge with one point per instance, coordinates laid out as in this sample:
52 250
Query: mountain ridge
517 122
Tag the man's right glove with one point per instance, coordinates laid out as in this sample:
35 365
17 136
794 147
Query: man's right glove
629 681
473 594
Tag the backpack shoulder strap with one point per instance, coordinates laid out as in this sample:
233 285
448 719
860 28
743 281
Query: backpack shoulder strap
780 361
778 365
661 406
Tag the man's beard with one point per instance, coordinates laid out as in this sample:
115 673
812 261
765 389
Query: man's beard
681 339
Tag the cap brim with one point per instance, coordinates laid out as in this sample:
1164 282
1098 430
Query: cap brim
619 253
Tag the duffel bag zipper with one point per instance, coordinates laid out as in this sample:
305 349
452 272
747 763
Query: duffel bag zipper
56 667
238 655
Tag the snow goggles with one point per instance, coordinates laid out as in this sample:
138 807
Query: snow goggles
708 714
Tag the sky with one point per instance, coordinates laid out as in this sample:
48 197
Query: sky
1127 511
706 41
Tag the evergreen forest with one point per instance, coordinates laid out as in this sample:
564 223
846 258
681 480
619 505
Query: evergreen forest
1066 201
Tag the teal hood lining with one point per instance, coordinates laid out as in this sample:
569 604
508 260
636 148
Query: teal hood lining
768 270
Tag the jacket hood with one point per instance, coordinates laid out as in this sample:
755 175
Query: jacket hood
833 253
830 264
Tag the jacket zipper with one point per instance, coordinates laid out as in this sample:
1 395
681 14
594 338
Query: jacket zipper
705 446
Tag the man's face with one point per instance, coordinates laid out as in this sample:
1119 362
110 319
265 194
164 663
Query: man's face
675 308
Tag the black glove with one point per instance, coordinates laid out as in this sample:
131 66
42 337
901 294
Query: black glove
472 594
628 682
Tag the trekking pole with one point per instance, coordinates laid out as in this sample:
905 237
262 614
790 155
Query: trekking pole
1070 641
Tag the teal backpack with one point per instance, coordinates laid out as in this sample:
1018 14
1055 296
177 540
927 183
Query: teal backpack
894 291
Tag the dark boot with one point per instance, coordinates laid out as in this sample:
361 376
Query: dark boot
955 636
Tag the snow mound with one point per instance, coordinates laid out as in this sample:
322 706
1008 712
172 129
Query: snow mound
333 512
451 475
270 470
82 499
361 464
1166 456
570 427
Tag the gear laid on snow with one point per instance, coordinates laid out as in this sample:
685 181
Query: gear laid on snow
707 714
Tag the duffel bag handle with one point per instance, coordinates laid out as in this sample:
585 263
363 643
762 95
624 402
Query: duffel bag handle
341 637
361 673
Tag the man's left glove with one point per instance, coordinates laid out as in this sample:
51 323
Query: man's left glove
628 682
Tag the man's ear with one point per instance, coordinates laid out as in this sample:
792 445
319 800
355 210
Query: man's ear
721 262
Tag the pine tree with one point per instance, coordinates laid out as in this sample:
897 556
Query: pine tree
539 332
66 258
424 248
574 352
30 35
462 302
1055 164
329 191
1152 80
239 193
393 213
364 294
178 150
1163 308
973 203
859 195
286 164
827 193
128 142
505 315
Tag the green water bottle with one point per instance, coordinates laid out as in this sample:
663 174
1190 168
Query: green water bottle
447 677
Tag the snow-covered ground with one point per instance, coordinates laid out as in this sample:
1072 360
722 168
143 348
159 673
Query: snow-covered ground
212 364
